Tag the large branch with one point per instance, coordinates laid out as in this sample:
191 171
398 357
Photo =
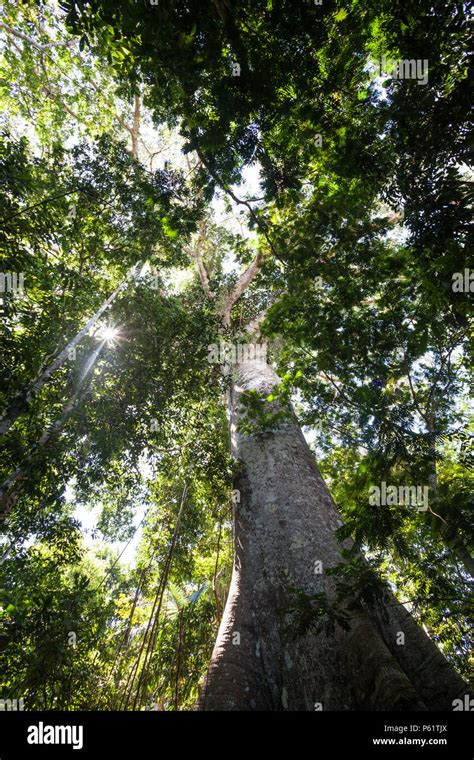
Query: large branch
240 288
48 89
135 133
253 327
195 253
32 42
260 225
123 123
55 94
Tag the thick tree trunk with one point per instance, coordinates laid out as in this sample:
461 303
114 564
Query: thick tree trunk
285 525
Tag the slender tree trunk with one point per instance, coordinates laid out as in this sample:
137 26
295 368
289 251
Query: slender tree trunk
11 489
21 402
454 541
449 534
285 526
135 131
9 492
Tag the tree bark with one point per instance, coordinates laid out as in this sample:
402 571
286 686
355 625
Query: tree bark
285 524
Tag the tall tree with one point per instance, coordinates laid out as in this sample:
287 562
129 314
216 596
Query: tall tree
343 266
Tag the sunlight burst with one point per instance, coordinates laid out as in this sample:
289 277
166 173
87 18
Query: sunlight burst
109 334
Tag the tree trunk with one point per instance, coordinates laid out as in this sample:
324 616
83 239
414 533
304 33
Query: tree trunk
285 525
11 489
450 535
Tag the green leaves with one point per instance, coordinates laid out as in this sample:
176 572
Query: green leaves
264 414
167 229
314 613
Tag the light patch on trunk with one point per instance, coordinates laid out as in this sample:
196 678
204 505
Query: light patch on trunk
299 542
284 698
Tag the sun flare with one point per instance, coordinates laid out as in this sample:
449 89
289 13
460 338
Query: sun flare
109 334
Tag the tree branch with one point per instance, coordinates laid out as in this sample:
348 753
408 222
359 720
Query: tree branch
195 253
33 43
241 286
135 132
260 225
